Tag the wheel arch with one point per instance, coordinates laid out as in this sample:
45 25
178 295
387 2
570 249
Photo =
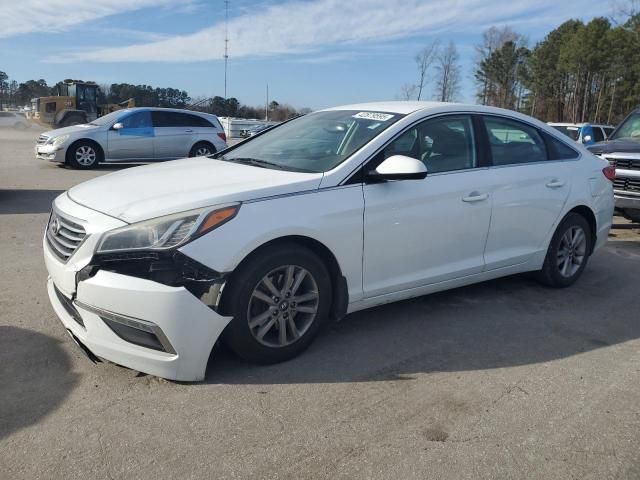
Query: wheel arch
71 147
62 115
586 212
201 142
340 297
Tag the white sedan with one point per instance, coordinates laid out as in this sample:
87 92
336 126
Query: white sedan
334 212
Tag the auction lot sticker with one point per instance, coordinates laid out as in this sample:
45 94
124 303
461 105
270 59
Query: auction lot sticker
380 117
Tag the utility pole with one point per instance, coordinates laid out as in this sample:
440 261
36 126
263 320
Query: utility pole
226 44
266 106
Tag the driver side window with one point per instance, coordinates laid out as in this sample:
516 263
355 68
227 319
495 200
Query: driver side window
137 120
443 144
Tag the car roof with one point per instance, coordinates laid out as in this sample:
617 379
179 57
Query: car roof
163 109
401 107
409 107
566 124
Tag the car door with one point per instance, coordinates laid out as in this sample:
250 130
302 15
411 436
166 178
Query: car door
529 190
174 134
134 141
418 232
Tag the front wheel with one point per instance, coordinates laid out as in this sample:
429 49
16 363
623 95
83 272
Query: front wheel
83 155
278 300
568 252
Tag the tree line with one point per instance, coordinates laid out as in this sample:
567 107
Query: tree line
579 72
14 95
231 107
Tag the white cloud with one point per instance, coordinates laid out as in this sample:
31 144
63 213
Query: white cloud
26 16
296 27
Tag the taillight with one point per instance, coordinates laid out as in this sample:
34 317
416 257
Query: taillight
223 136
610 173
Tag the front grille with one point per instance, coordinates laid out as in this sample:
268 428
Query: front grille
64 236
68 306
42 139
628 184
622 163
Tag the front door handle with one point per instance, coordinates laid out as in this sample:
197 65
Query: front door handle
475 197
555 183
188 130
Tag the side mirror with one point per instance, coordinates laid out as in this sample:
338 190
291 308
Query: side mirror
117 126
398 167
587 138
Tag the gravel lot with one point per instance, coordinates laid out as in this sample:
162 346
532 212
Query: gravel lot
500 380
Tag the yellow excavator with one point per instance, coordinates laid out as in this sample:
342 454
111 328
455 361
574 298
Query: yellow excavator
75 104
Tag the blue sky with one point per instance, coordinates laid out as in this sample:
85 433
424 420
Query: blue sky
311 53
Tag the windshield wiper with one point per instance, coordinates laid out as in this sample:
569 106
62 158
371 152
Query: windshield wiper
256 162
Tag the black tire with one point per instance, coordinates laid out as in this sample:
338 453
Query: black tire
70 120
84 155
239 300
198 149
633 215
552 274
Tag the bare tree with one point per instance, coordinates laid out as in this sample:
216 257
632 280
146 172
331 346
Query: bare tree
493 39
624 9
625 13
448 79
408 91
424 59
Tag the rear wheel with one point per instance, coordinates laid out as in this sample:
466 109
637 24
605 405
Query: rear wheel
278 301
568 252
70 120
84 155
202 149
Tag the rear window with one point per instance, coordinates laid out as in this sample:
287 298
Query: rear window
178 119
598 134
572 132
513 142
558 150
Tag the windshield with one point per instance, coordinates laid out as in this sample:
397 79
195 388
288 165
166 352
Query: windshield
630 128
316 142
572 132
107 119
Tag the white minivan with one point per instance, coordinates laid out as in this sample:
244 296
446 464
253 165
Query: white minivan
330 213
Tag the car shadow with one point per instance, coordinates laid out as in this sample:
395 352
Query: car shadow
22 201
35 377
498 324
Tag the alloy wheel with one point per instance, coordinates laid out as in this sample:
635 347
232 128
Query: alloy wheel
283 306
203 151
86 155
571 251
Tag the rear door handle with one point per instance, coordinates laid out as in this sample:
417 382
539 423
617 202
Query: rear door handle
555 183
475 197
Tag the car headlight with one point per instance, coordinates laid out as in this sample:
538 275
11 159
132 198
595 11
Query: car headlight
163 233
57 141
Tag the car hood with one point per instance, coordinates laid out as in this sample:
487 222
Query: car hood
70 130
627 145
150 191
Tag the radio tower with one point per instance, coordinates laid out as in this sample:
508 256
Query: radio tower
226 44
